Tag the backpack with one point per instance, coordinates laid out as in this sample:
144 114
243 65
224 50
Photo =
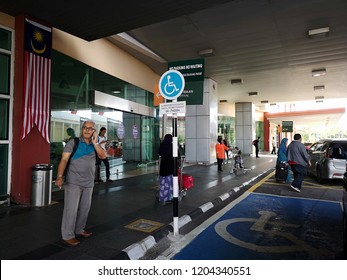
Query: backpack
75 146
254 142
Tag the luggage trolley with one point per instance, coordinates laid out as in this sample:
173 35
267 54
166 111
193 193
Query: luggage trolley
236 161
186 181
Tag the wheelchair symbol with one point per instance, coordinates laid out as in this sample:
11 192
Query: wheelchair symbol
170 87
270 229
171 84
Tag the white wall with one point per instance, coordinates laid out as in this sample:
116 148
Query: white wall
105 56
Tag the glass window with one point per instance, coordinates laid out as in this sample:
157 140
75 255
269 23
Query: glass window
5 74
324 147
3 168
5 39
313 147
4 108
73 82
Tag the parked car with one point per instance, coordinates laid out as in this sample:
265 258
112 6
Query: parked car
307 145
344 208
328 159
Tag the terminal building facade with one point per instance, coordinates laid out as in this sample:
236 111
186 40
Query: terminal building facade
97 80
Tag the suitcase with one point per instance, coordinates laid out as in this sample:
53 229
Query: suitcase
281 171
187 181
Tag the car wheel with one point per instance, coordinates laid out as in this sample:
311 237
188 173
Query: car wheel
319 175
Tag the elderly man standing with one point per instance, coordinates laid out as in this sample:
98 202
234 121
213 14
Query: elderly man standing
299 161
79 182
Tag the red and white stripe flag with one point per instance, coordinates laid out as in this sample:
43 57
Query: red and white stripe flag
37 78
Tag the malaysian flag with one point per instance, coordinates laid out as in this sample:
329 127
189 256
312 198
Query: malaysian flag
37 78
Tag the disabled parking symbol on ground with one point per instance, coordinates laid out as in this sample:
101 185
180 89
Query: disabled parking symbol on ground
276 228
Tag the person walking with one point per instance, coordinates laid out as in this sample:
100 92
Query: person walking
166 169
225 142
102 140
282 157
79 182
274 144
71 133
299 161
220 152
256 145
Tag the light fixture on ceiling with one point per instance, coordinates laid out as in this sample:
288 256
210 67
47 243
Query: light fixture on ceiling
320 101
236 81
223 101
206 53
273 104
324 31
320 97
253 93
319 72
321 87
264 101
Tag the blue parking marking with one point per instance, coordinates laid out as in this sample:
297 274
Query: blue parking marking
271 227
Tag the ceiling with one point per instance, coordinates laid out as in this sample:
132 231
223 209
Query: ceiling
263 42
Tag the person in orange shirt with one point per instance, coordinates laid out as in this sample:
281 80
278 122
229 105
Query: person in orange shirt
220 152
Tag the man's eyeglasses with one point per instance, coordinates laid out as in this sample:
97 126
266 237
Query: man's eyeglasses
88 128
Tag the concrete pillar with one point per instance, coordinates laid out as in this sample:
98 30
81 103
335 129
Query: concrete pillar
201 127
245 126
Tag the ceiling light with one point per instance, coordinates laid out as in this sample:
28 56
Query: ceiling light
206 53
319 101
322 87
252 93
264 101
223 101
273 104
319 97
319 72
236 81
324 31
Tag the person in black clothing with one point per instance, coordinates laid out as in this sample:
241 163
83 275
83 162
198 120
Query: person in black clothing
256 145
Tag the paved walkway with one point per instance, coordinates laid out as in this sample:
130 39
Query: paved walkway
125 217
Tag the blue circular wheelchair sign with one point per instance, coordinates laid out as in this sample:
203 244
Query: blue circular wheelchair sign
171 84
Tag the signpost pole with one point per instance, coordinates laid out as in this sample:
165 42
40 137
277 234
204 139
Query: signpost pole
171 86
175 173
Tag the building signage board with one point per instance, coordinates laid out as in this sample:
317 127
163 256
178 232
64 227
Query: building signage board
193 72
287 126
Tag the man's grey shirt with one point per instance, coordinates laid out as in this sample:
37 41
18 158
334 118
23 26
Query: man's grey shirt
297 152
81 170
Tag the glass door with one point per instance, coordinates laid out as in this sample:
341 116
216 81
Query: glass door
5 109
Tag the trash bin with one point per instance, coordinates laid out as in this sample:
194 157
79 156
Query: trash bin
41 184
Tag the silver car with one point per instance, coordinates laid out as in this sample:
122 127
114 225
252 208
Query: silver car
328 159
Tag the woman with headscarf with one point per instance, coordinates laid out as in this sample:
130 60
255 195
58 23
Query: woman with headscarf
166 169
282 166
